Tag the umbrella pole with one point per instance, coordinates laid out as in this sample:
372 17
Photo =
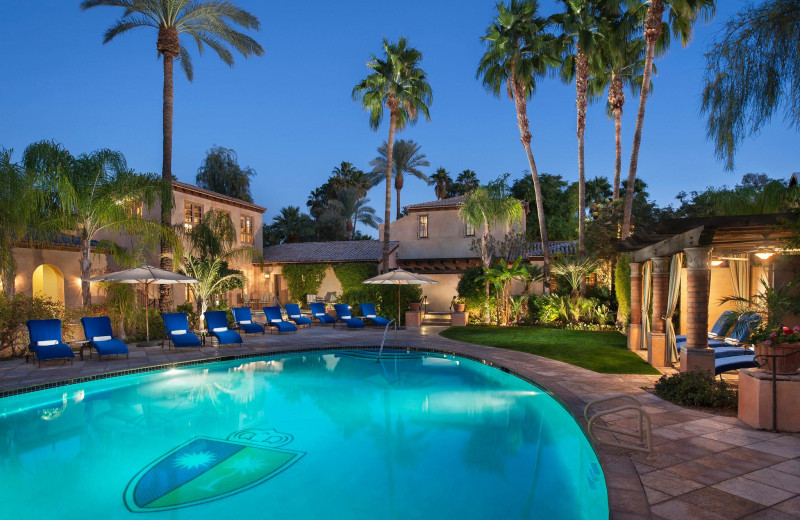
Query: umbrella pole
147 309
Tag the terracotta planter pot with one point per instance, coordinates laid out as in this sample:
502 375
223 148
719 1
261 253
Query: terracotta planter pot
783 366
459 307
414 306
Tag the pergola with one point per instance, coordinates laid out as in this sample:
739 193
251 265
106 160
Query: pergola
659 252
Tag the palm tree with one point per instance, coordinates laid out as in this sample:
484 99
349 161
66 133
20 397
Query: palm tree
485 207
582 31
92 194
353 208
398 84
292 225
519 50
681 15
212 246
17 210
466 181
442 183
500 276
347 175
406 159
621 64
574 269
207 23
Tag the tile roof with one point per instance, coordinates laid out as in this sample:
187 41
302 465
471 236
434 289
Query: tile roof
563 247
216 196
452 202
336 251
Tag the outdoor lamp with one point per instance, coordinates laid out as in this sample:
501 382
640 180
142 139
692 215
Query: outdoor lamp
764 255
716 263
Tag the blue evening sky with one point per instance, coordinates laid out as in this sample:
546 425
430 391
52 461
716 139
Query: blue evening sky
289 113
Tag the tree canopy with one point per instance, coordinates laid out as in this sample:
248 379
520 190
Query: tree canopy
221 173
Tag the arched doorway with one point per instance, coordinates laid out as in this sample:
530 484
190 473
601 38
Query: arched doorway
48 282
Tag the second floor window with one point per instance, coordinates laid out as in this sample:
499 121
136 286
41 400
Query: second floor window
470 230
423 227
246 229
192 215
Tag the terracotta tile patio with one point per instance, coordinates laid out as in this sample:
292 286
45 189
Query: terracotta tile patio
703 466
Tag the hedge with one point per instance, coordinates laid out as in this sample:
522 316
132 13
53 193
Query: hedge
622 285
352 276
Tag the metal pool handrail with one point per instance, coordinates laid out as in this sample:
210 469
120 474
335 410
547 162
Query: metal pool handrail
643 433
385 331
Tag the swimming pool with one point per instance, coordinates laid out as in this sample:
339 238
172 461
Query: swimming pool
324 434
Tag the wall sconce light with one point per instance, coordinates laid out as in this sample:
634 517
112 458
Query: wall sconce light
716 263
266 276
764 255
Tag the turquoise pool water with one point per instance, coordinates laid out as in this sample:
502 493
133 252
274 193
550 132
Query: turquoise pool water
329 434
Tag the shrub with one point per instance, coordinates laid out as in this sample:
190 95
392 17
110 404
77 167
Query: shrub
473 291
559 310
191 313
302 279
697 389
14 312
622 286
384 297
352 276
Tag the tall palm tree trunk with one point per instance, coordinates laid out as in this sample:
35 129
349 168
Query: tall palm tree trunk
388 178
86 264
525 137
487 263
581 87
169 46
616 99
397 217
652 31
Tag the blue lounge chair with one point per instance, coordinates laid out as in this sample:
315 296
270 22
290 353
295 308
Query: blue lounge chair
344 315
319 314
243 318
293 311
100 336
368 310
720 328
740 333
726 364
275 319
217 324
46 342
178 333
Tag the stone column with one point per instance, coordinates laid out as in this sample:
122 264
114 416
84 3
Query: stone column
696 355
635 327
657 355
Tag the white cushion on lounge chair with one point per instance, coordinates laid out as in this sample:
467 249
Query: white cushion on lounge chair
101 338
276 320
320 314
179 332
295 316
220 329
345 317
245 322
370 316
47 343
712 335
731 341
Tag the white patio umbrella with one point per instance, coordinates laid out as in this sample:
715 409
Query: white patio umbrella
399 277
146 275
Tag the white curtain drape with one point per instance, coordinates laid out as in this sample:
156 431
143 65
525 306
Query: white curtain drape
647 297
675 271
740 278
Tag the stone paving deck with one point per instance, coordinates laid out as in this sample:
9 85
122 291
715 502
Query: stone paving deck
704 466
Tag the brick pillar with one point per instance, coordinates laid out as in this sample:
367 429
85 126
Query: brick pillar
657 355
635 327
696 355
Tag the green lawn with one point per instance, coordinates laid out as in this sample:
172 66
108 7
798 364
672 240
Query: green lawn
604 352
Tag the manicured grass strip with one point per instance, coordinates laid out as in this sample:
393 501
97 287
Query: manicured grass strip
603 352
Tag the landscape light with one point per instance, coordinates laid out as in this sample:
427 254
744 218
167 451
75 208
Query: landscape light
764 255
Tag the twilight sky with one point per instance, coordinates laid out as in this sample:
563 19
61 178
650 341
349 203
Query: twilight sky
289 113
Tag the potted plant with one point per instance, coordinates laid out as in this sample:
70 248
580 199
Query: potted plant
782 341
414 306
459 305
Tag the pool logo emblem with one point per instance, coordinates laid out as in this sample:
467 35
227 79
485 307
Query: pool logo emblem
204 469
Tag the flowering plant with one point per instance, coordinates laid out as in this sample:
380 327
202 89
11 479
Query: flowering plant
777 336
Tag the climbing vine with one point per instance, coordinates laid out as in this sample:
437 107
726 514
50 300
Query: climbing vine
302 279
351 276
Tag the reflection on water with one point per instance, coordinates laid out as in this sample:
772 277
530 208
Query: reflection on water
444 431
